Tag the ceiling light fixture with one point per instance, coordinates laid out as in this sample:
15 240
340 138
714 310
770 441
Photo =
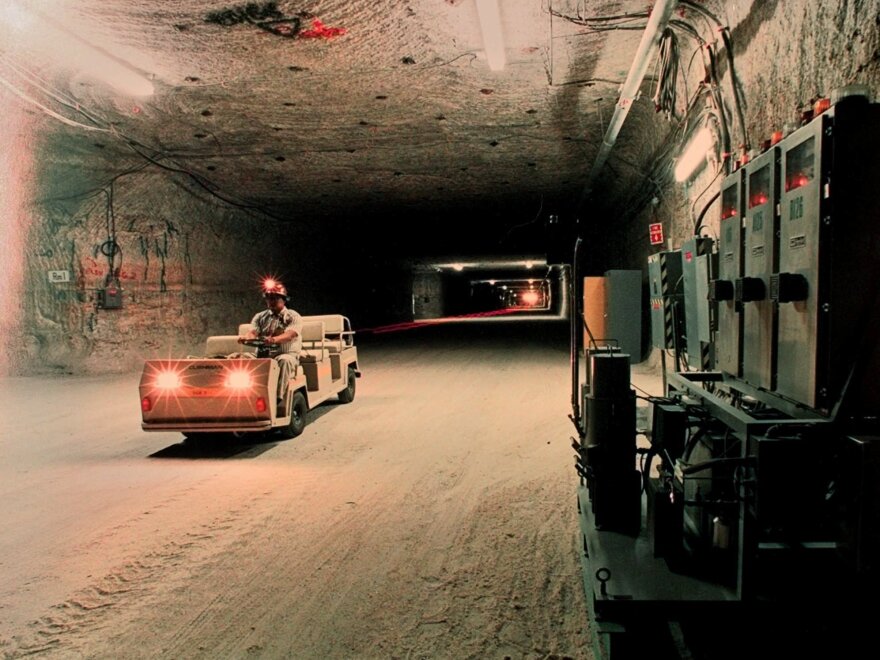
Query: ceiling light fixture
694 155
490 26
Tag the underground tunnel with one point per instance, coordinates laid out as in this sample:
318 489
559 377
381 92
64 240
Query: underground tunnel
584 335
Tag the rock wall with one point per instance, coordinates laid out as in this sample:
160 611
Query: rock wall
189 266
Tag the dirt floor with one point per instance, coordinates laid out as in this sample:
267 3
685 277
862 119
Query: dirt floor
432 517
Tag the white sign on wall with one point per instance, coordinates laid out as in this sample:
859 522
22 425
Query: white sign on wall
59 276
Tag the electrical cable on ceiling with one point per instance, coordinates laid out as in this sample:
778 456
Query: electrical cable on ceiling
587 21
736 87
48 111
738 95
667 76
698 224
112 130
198 179
43 85
111 248
710 82
661 160
524 224
710 86
718 104
98 190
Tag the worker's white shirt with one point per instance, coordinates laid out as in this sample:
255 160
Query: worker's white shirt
269 324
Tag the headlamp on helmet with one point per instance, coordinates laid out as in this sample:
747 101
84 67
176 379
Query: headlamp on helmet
274 288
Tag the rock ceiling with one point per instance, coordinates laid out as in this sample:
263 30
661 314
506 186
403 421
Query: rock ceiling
325 107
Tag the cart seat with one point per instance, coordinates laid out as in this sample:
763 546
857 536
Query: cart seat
337 331
313 349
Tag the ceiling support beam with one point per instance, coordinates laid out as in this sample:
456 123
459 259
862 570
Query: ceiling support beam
657 21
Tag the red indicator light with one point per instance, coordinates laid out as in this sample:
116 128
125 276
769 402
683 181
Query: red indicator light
729 212
146 404
821 106
776 137
796 181
261 404
688 256
757 200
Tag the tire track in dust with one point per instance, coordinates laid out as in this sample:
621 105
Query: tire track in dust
94 607
297 589
509 585
281 584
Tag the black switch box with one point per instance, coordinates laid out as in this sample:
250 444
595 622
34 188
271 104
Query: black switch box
788 287
720 290
110 297
750 289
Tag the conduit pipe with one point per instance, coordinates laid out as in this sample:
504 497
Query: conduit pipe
657 21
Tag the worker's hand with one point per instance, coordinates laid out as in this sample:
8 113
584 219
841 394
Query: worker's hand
242 339
269 340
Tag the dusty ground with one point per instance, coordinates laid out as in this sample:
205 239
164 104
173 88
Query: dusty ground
433 517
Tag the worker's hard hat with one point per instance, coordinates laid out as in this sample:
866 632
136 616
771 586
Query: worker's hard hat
274 288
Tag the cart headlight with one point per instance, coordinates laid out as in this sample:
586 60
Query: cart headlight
167 380
238 380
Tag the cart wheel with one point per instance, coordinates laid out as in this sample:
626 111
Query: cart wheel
347 395
298 410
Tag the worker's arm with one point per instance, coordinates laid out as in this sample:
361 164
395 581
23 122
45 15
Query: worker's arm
250 334
284 337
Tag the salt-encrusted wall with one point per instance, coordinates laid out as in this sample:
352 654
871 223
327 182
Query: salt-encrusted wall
189 265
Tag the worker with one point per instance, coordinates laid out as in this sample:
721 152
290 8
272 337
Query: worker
281 330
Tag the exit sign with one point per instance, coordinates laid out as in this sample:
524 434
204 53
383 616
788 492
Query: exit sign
655 230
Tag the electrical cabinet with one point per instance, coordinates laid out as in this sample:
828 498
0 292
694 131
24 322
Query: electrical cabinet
826 286
594 309
623 296
728 339
760 258
695 255
664 281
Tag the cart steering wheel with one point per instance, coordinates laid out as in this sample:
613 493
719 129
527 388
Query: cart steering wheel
258 343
